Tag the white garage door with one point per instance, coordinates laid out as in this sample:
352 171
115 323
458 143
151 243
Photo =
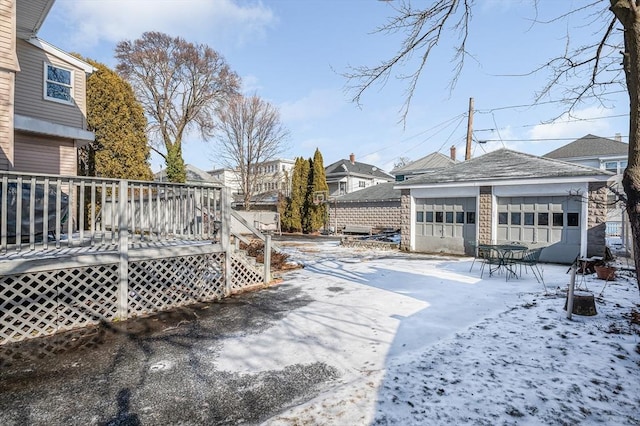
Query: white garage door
445 225
550 222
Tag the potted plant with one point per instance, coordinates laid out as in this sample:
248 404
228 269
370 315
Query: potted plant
605 270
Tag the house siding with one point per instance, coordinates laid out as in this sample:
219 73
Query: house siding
37 154
375 214
597 218
6 119
485 215
8 58
29 95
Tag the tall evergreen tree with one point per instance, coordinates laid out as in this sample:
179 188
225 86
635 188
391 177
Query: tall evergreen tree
117 119
299 182
307 205
318 188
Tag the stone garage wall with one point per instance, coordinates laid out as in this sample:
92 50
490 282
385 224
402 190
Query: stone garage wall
405 234
597 220
485 215
375 214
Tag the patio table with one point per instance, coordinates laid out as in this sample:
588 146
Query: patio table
502 257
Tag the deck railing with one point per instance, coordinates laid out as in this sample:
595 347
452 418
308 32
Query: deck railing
75 251
43 212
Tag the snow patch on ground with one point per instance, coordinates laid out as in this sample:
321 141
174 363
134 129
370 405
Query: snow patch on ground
424 340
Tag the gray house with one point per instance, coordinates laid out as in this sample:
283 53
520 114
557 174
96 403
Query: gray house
594 151
602 153
346 176
507 196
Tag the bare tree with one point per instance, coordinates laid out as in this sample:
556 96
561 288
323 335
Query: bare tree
589 68
181 87
401 162
250 134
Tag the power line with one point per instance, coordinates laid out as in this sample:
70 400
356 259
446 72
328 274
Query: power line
443 124
532 140
557 123
490 110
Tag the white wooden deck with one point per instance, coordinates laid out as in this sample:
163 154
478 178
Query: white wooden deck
113 250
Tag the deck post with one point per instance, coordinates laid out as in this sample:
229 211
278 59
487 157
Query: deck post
123 248
225 238
267 259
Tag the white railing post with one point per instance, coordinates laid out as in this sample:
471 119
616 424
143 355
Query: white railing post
123 239
267 259
225 237
3 213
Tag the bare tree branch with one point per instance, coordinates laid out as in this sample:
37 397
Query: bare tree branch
424 30
250 134
181 87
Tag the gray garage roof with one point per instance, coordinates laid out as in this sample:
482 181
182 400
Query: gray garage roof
504 164
380 192
590 146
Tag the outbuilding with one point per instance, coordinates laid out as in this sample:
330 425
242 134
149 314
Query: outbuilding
503 197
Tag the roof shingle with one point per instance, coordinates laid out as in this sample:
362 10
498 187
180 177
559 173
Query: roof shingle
505 164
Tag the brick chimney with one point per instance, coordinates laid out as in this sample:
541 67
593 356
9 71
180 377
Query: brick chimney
352 158
618 137
453 152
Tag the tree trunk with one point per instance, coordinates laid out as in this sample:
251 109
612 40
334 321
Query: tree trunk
626 11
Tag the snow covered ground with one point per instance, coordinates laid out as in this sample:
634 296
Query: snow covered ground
421 340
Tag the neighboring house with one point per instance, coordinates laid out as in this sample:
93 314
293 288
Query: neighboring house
346 176
274 177
43 108
194 175
273 180
602 153
376 207
507 196
594 151
433 161
227 177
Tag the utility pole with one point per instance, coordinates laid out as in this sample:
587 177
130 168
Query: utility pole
467 154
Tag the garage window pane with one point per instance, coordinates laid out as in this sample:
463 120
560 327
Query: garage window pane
573 219
516 218
439 217
471 217
503 218
419 217
543 219
449 217
429 217
528 219
459 217
558 219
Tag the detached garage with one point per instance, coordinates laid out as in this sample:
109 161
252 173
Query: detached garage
507 196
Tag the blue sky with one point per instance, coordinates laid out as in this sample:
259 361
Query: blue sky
292 54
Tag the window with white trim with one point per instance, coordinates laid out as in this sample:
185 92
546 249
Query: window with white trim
58 84
615 166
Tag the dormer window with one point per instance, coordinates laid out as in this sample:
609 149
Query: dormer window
58 84
615 166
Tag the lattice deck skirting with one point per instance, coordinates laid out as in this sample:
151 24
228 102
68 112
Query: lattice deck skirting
75 250
50 298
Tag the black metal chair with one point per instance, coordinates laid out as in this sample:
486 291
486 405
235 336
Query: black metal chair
530 259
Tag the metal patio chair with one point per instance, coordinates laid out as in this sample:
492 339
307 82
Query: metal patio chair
530 259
